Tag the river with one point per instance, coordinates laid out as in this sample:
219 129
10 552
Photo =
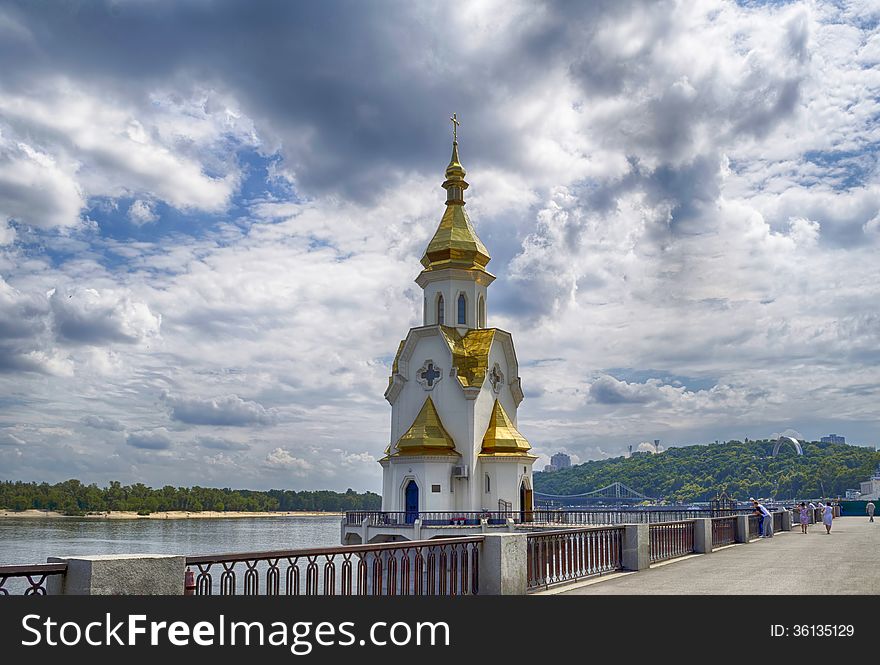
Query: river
25 540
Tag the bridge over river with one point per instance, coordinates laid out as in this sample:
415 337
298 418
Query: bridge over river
844 562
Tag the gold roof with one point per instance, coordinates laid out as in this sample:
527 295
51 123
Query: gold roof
455 243
394 362
426 436
502 438
470 353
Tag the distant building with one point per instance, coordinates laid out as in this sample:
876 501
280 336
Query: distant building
549 468
871 488
833 438
853 494
560 461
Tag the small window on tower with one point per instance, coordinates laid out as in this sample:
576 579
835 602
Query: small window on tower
488 484
462 309
440 318
435 488
482 312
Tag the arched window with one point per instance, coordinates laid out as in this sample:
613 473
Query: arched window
440 318
482 312
488 484
462 309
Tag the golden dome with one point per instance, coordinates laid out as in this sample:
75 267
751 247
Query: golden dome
455 243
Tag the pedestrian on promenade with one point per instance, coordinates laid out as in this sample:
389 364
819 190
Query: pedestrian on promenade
870 510
804 517
766 519
827 517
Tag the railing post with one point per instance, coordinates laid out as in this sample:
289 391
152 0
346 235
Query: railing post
742 528
119 574
636 546
365 531
503 564
786 520
417 529
703 535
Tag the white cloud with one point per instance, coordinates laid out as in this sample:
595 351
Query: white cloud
142 212
280 458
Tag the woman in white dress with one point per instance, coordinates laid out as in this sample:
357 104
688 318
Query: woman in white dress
827 516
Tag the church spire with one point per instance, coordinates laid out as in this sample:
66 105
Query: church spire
455 243
455 183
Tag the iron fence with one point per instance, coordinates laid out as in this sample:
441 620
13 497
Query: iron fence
448 566
590 517
571 554
671 539
723 531
28 580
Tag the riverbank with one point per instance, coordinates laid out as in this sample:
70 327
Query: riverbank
162 515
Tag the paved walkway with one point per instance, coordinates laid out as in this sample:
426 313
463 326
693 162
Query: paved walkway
845 562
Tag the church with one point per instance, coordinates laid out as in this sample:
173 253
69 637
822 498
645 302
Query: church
455 453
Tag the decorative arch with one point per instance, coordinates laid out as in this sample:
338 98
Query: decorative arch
440 310
411 495
787 439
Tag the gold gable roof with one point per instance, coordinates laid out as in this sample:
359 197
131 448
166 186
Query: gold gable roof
502 438
426 436
470 353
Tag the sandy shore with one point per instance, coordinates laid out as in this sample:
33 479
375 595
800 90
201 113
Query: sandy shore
165 515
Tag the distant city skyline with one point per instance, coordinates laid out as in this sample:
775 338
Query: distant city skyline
212 213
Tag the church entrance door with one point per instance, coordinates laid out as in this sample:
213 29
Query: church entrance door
411 495
525 503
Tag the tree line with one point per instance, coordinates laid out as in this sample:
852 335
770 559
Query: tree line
72 497
741 469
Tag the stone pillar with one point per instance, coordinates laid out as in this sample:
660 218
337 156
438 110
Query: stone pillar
786 520
503 564
742 528
365 531
636 546
119 574
417 529
703 535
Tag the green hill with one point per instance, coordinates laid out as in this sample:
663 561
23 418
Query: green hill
699 473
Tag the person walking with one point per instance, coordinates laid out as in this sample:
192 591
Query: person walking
827 516
804 517
870 510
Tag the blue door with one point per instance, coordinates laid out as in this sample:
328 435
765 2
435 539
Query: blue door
412 501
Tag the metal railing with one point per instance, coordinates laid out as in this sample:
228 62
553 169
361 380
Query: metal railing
590 517
723 531
564 556
754 526
444 567
35 575
671 539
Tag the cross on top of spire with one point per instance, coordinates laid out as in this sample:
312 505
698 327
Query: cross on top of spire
455 123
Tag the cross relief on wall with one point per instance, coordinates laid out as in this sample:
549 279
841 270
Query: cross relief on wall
496 378
429 375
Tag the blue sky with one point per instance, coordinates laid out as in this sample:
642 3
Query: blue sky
211 215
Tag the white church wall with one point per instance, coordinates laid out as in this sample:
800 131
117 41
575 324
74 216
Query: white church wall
428 475
450 289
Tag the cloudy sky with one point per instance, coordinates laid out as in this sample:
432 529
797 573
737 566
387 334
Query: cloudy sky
211 216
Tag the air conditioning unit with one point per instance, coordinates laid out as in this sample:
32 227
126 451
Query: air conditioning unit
459 472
